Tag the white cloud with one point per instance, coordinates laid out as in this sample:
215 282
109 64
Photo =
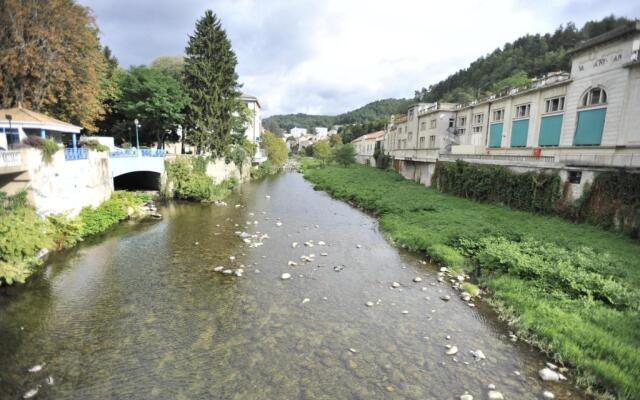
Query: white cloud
334 55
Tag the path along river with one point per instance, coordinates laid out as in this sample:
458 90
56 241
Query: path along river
141 313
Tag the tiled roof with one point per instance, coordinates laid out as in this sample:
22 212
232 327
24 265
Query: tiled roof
22 115
372 135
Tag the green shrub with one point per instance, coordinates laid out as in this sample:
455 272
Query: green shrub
344 154
65 231
470 288
264 169
49 148
187 180
112 211
95 145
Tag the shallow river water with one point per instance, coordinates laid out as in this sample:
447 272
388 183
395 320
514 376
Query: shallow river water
140 313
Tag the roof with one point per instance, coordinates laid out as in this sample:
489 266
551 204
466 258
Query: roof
33 119
629 28
368 136
249 97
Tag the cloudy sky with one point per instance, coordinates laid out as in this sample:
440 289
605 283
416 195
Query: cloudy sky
331 56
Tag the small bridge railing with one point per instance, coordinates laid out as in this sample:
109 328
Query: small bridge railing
10 158
137 153
75 154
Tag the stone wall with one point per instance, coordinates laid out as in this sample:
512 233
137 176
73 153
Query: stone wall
219 170
63 186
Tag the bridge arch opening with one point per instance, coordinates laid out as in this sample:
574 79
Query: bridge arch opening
137 180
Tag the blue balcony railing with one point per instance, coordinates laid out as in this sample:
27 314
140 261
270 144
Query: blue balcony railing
75 154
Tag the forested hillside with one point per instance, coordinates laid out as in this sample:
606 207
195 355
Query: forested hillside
376 110
516 62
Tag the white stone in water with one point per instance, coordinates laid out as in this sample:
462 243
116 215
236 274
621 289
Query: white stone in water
516 373
405 311
395 285
446 297
552 366
547 374
324 254
321 243
443 269
218 268
306 300
227 272
448 337
267 196
453 350
31 393
197 243
292 263
548 395
278 223
294 244
358 246
495 395
369 303
232 258
325 298
417 279
478 354
49 380
466 396
491 386
285 276
354 351
36 368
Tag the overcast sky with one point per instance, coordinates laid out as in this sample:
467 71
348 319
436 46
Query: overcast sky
331 56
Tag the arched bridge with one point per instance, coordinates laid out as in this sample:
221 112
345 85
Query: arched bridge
137 169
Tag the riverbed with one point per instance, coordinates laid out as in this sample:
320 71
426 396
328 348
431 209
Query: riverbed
142 313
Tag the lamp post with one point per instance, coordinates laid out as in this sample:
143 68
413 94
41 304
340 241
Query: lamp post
135 121
9 118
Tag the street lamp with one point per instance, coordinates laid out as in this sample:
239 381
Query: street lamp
135 121
9 118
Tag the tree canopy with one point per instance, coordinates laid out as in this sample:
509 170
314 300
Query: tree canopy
51 60
211 82
276 148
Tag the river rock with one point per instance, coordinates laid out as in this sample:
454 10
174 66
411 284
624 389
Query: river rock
285 276
417 279
551 366
292 263
278 223
227 272
453 350
495 395
49 380
547 374
405 312
445 297
491 386
31 393
305 300
478 354
369 303
218 268
36 368
548 395
324 254
395 285
294 244
358 246
466 396
321 243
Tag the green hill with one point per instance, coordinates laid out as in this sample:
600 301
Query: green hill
376 110
516 62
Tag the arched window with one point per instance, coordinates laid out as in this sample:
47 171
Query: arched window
594 97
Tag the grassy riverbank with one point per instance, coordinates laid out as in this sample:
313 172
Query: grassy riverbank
572 289
24 235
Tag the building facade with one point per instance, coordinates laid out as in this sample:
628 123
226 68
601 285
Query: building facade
576 123
365 147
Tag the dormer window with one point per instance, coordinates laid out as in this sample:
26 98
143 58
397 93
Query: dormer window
594 97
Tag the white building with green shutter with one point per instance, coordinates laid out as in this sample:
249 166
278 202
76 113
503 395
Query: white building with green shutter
578 123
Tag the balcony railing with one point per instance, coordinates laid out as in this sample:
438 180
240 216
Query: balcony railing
595 160
11 158
499 157
75 154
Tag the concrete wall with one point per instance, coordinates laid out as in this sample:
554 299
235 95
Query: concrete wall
219 170
65 186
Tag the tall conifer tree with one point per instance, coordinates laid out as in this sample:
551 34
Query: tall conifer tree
212 84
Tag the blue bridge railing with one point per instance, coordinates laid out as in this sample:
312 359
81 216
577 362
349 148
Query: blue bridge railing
75 154
137 153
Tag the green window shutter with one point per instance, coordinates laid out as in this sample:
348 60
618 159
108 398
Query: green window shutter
589 127
550 128
519 130
495 135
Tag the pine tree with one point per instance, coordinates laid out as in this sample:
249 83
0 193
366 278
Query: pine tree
211 82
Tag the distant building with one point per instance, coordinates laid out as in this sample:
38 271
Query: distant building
321 132
253 130
297 132
365 147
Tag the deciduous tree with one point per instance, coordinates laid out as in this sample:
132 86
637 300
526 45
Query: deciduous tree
276 148
50 59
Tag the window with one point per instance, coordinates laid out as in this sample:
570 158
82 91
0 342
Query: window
461 131
554 104
423 126
594 97
574 176
432 141
399 129
411 114
399 144
410 136
433 123
451 122
462 121
476 129
404 144
478 119
522 111
422 140
498 115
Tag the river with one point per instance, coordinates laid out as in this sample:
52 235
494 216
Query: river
141 313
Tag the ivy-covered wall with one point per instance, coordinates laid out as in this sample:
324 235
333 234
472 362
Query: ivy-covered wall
529 191
611 201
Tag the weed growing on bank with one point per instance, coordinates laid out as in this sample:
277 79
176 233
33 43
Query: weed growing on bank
573 289
24 234
187 179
